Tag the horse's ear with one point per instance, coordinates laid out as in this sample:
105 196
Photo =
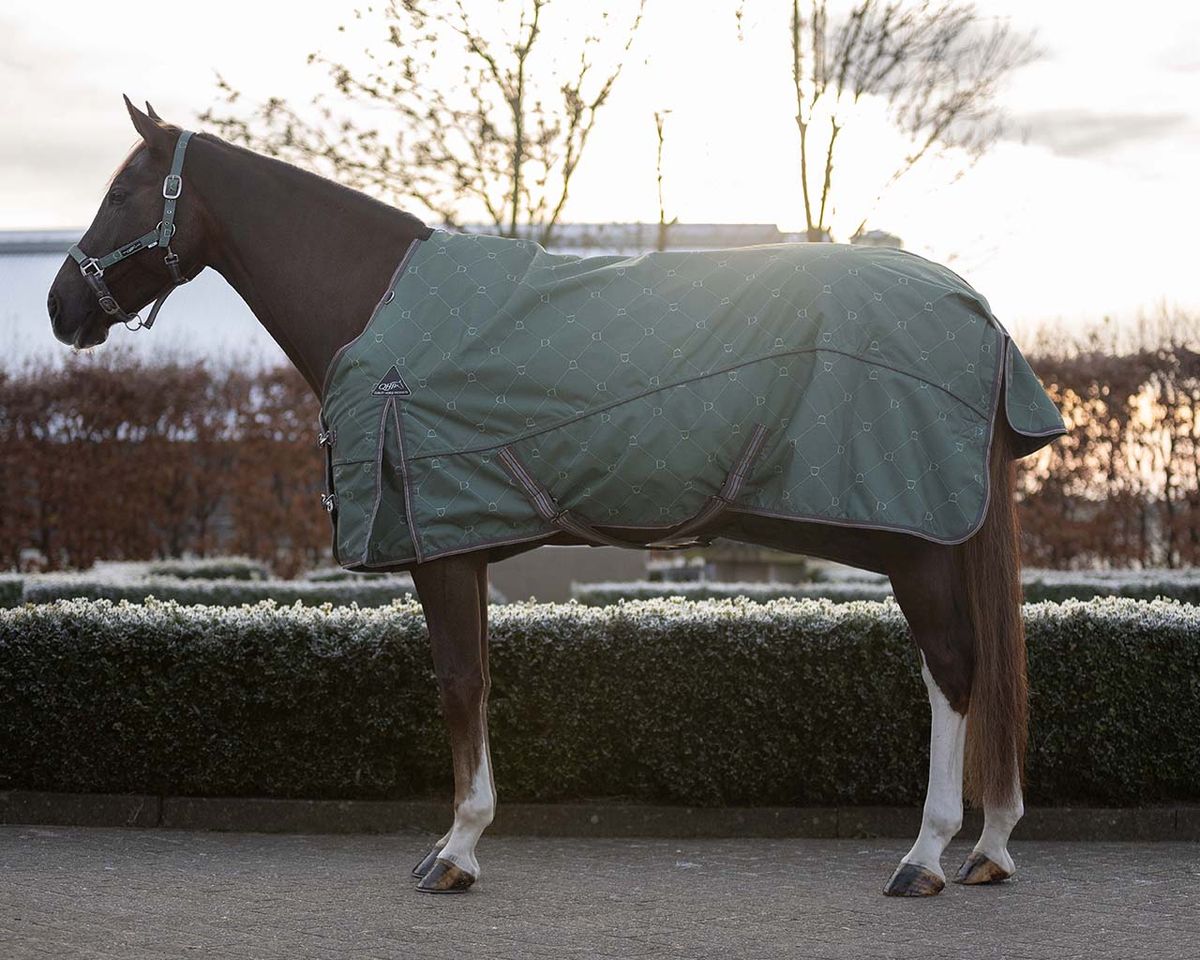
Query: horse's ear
151 130
152 113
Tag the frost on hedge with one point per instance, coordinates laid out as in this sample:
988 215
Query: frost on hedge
718 701
211 568
606 592
185 568
135 582
1038 585
47 588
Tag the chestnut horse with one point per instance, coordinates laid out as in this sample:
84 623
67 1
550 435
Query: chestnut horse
311 259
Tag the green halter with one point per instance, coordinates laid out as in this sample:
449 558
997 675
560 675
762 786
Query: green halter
92 268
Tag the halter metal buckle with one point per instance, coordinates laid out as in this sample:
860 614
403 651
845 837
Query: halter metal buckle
91 268
172 186
109 305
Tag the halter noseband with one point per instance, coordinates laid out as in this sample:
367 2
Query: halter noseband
92 268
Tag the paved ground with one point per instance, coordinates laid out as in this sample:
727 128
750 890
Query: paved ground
70 893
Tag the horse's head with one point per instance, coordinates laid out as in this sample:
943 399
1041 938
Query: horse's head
110 276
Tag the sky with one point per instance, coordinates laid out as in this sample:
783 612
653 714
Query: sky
1087 207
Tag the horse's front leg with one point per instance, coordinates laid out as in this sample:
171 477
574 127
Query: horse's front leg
453 593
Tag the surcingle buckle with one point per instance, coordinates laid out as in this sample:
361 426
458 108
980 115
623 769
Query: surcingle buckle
328 501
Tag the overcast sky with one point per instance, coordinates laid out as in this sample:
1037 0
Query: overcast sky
1089 207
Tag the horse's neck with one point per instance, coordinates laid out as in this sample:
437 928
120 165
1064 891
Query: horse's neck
310 258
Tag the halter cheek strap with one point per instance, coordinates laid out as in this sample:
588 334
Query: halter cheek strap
92 268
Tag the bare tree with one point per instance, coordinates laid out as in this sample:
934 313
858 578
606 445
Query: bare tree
936 65
664 225
498 132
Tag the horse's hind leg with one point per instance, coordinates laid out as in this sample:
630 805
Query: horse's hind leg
990 861
928 593
453 593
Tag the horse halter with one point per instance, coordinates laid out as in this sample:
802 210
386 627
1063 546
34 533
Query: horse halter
92 268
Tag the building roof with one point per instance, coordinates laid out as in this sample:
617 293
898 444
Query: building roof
37 241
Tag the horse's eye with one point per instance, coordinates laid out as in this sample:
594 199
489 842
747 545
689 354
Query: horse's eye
116 197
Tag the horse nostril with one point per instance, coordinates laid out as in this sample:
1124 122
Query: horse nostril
52 306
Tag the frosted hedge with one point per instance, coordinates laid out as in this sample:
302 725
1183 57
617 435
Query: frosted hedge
716 702
223 592
1039 585
366 590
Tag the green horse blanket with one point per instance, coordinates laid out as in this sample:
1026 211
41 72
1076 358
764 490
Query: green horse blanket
501 395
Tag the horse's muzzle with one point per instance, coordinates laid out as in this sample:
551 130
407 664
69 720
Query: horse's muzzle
88 332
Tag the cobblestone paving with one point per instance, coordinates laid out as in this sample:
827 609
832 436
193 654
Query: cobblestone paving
70 893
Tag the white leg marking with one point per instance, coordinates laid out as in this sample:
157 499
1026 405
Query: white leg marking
998 823
943 801
471 818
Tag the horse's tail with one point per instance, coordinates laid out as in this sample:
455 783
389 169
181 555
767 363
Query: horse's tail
998 712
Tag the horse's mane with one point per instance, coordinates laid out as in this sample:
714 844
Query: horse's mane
310 176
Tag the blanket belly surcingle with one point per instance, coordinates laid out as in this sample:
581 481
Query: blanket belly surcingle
503 395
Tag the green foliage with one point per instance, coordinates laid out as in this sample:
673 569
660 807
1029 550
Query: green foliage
1058 585
602 593
730 702
1182 585
374 592
11 588
211 568
338 574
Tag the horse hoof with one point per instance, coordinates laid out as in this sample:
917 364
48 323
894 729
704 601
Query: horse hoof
979 869
913 880
445 877
426 865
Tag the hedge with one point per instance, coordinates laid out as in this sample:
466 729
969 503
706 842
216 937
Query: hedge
604 593
1183 585
366 593
338 574
211 568
12 586
720 702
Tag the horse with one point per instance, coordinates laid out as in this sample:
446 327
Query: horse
311 258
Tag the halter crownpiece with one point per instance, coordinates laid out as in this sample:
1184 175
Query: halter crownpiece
92 268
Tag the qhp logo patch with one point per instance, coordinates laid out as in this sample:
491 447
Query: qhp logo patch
392 385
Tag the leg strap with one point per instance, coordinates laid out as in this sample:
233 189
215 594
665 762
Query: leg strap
683 535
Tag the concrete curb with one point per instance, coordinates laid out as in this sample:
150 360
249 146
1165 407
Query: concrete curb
256 815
